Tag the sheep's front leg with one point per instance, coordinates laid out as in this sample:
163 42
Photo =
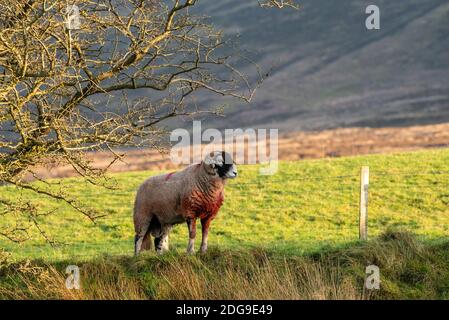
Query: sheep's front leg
191 224
205 223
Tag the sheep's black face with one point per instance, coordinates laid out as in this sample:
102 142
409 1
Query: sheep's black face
223 164
227 169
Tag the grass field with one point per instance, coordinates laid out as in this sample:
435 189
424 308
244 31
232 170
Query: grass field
307 207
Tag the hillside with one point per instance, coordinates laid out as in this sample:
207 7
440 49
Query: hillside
307 206
329 71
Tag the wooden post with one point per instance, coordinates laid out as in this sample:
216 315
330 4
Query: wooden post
363 211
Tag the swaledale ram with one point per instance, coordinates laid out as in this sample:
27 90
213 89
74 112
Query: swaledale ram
197 192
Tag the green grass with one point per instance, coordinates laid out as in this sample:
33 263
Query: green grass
307 207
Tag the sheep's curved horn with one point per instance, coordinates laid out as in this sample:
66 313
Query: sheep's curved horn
209 160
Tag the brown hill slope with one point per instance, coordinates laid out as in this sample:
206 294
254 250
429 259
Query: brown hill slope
295 146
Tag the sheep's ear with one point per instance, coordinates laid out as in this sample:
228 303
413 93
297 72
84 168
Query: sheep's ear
219 160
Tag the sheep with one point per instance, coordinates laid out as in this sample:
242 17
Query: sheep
184 196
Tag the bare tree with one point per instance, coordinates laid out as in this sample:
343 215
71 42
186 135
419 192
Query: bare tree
279 4
64 85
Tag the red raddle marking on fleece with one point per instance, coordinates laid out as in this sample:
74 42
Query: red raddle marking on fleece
202 206
211 208
169 175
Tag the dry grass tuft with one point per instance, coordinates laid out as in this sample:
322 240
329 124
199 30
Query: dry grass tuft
409 269
263 279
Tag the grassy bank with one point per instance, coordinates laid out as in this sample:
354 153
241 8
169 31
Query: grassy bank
409 269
